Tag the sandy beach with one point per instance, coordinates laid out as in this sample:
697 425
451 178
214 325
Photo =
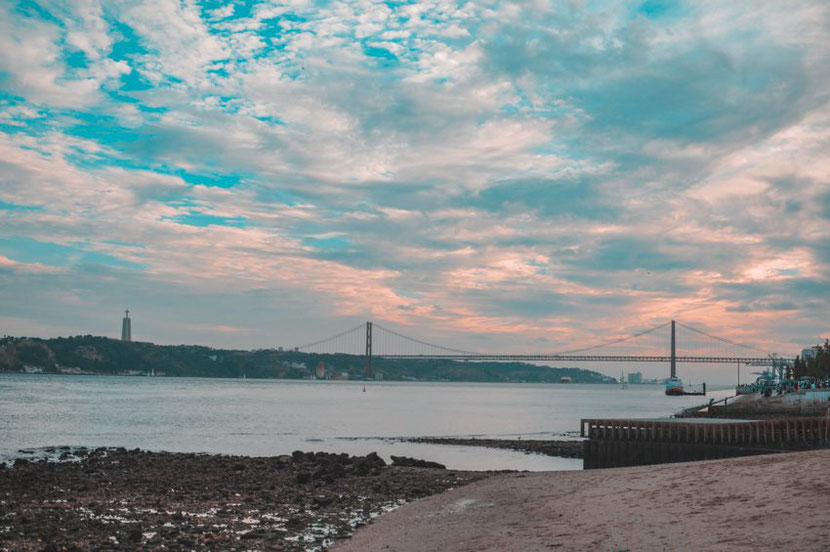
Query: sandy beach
770 502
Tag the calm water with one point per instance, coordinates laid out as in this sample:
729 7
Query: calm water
266 417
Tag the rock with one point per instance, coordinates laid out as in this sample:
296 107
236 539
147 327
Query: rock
299 456
361 467
323 500
416 463
303 478
375 459
20 462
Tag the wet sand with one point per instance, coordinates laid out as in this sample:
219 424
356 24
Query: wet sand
770 502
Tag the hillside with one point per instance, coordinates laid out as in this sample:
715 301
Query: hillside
100 355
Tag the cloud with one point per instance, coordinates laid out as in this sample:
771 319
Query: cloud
484 174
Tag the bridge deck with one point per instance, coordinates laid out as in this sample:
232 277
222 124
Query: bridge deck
757 361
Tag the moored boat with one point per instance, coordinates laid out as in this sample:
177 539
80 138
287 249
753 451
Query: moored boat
674 386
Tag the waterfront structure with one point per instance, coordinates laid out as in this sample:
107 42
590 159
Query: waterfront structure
394 345
635 377
619 443
126 330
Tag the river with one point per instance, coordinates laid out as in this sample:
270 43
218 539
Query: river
268 417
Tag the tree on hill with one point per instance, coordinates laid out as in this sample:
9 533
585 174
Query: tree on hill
819 366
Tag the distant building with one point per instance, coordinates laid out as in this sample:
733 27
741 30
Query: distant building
635 377
126 330
321 370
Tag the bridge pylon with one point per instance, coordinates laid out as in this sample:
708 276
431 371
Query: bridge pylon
673 352
367 371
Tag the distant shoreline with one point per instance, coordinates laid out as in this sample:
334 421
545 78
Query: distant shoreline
95 355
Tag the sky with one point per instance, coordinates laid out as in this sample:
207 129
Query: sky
492 176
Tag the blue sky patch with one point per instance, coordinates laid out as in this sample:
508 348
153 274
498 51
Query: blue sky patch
5 206
28 250
201 220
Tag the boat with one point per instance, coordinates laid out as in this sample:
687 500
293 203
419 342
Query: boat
674 386
566 379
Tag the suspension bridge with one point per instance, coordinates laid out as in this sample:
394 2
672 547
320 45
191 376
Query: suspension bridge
373 340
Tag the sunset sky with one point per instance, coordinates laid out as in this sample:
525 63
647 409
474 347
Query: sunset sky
489 175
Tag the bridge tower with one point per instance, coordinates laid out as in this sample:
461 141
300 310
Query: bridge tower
673 352
368 369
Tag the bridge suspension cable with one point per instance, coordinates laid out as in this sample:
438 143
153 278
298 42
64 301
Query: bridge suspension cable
332 337
613 341
723 339
420 342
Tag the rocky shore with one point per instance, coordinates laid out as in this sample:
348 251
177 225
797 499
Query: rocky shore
566 449
114 499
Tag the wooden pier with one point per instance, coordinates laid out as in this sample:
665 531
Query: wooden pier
617 443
